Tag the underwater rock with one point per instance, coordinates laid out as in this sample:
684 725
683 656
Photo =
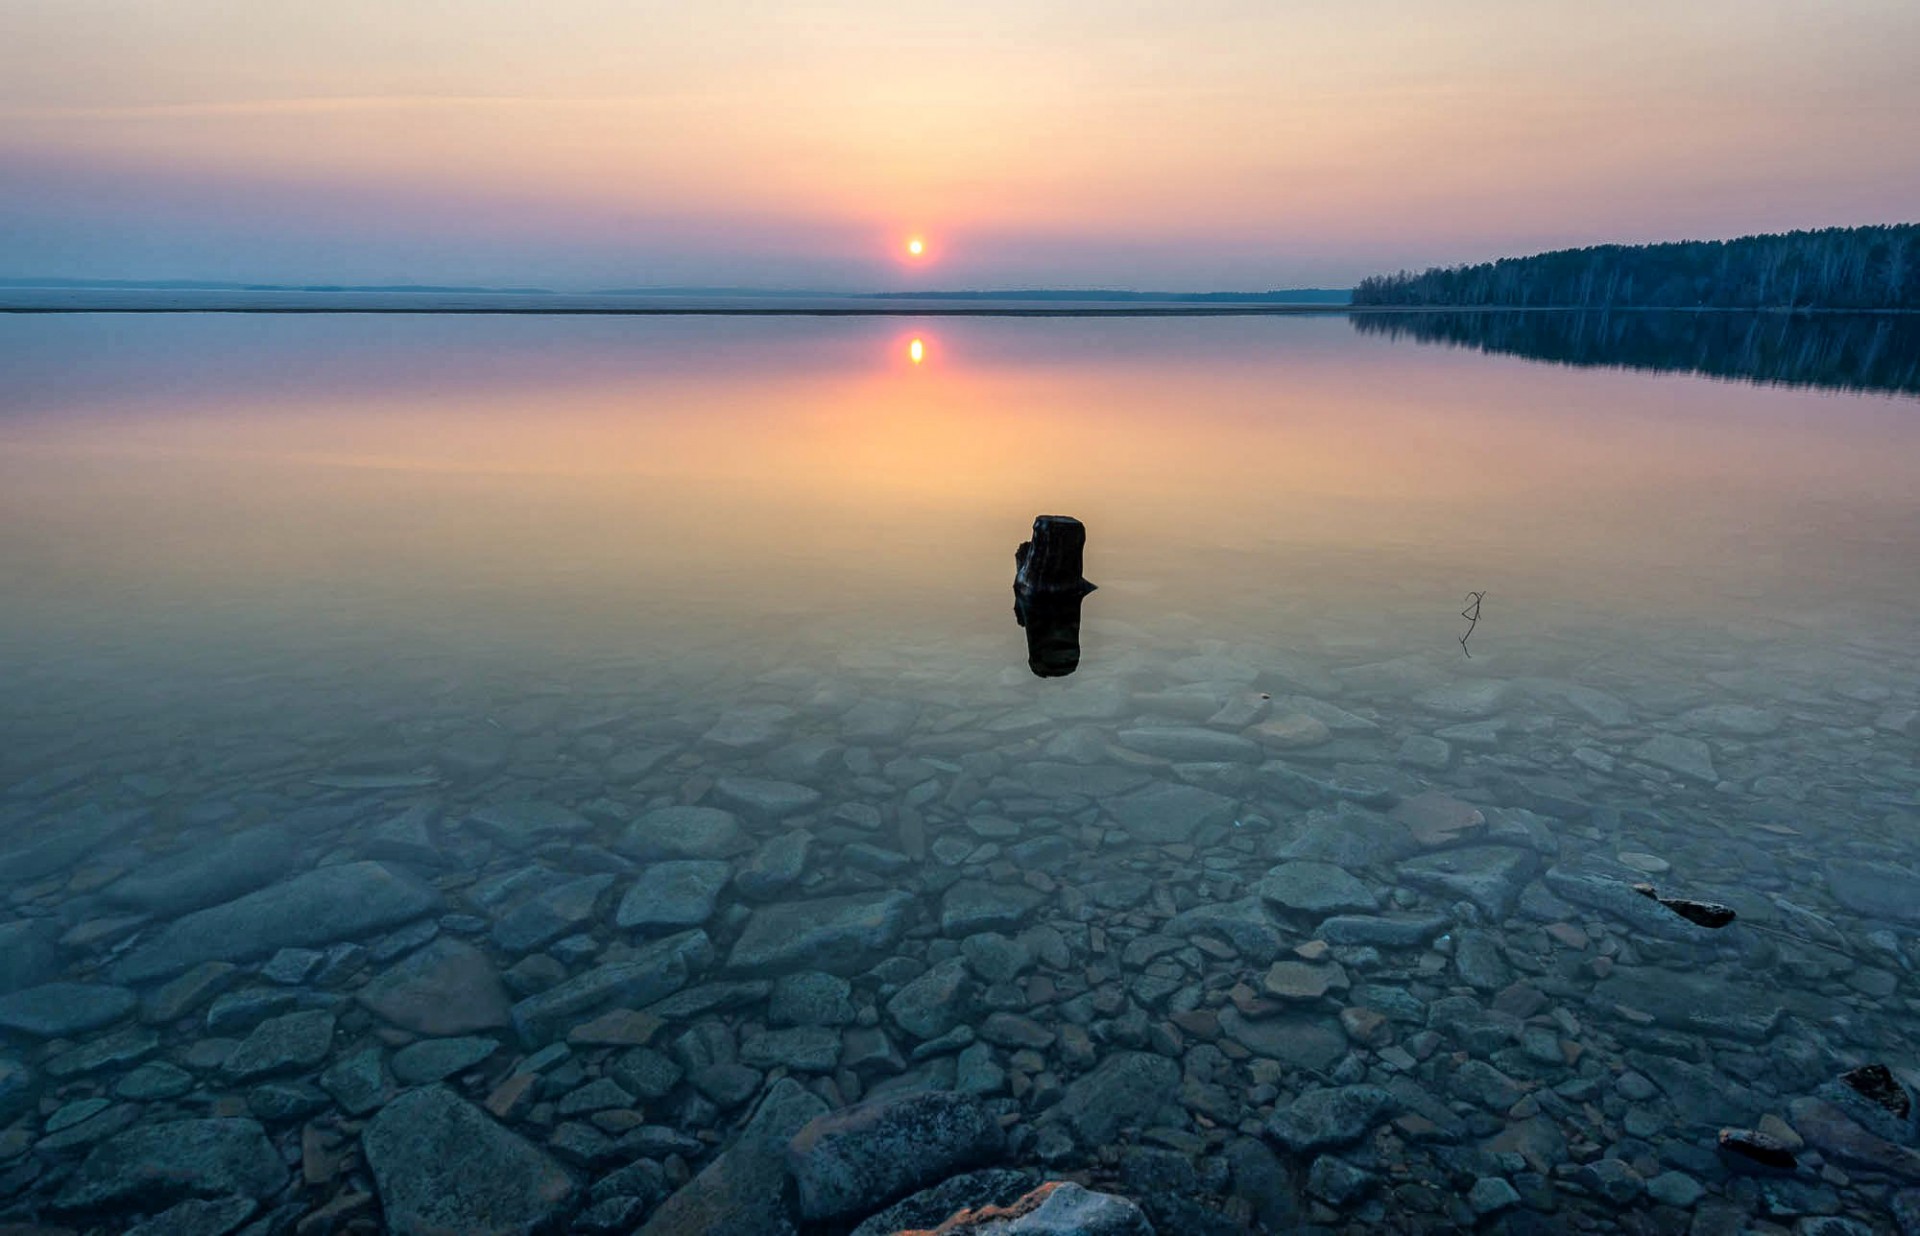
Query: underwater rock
1056 1208
1876 1084
852 1161
1752 1148
441 1165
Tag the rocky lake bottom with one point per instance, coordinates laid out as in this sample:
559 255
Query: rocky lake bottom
1210 938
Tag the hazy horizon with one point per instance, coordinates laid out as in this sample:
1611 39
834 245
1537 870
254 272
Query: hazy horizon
1231 146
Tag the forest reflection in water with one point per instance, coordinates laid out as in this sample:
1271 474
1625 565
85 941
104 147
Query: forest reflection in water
1855 352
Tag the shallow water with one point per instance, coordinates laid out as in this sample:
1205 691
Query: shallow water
288 596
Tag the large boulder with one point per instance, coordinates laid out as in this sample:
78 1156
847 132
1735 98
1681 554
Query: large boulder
208 873
55 1010
443 1167
343 902
853 1161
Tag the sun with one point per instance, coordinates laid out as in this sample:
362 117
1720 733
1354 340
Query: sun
916 247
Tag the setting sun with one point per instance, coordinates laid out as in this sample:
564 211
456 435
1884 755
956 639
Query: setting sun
916 351
916 246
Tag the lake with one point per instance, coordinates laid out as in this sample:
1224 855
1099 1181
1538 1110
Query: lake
622 728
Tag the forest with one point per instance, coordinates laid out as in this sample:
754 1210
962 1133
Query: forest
1849 351
1862 268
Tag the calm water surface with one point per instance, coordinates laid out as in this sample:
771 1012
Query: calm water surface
370 683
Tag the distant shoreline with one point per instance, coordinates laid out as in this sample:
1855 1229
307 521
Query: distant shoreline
936 309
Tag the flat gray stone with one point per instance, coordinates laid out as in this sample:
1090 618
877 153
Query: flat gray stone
1687 756
855 1160
1877 890
442 1166
1076 781
156 1165
56 1010
1382 931
523 825
1167 814
1315 888
29 954
764 798
1695 1003
433 1060
935 1002
974 905
345 902
1247 924
1128 1089
447 988
652 975
673 895
208 873
683 832
1490 876
1330 1116
545 917
283 1045
197 1217
841 935
1191 744
1301 1040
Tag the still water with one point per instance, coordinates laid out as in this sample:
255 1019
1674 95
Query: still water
609 745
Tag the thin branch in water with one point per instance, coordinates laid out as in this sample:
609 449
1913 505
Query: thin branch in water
1472 614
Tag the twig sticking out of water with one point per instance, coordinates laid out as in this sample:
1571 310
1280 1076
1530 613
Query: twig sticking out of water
1472 614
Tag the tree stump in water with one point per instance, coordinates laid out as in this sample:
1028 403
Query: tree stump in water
1047 590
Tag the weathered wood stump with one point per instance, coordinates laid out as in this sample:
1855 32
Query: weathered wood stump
1047 590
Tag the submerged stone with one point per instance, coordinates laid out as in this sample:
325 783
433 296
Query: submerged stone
158 1164
841 935
443 1166
447 988
852 1161
344 902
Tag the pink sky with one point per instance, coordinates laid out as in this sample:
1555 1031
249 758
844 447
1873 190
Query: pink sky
1216 143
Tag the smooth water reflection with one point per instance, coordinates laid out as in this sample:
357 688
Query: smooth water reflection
462 688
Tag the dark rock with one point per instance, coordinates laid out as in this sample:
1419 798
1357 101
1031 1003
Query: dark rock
1751 1148
1877 1084
1308 887
548 915
934 1003
1829 1129
852 1161
1707 914
841 935
158 1164
442 1166
348 901
776 866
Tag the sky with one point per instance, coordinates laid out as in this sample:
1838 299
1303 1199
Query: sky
1206 144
